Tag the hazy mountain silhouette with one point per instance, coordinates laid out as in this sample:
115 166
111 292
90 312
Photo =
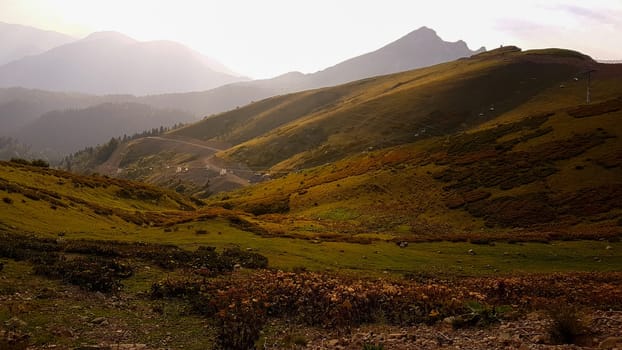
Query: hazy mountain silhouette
420 48
19 41
112 63
70 130
20 107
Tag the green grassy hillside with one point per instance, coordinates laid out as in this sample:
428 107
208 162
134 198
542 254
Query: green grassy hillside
550 175
499 145
315 127
349 232
42 200
296 131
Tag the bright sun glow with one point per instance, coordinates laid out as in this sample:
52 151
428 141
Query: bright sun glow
266 38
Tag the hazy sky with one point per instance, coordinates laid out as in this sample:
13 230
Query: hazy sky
264 38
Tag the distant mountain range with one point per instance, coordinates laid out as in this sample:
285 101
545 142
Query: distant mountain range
108 61
20 107
19 41
112 63
420 48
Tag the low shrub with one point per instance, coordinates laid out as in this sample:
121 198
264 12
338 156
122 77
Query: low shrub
239 321
91 248
40 163
208 258
246 259
20 161
90 273
566 327
35 162
175 288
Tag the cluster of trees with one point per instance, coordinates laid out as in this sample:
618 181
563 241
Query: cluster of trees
90 157
152 132
12 148
35 162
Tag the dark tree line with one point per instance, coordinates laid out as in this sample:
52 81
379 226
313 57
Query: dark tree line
92 156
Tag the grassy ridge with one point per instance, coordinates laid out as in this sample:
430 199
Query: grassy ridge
390 110
549 174
311 128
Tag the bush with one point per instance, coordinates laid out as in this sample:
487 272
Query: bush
172 288
373 347
22 247
20 161
478 315
91 273
246 259
208 258
91 248
278 206
239 323
567 327
40 163
36 162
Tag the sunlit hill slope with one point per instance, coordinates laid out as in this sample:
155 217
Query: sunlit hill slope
496 145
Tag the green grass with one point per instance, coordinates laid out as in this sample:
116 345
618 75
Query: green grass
379 256
50 309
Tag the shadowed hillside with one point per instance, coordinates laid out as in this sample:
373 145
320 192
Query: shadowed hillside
20 107
95 125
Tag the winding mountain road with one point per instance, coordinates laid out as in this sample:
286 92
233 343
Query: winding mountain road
184 142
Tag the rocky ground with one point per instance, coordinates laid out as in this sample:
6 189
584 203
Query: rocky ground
530 332
57 316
